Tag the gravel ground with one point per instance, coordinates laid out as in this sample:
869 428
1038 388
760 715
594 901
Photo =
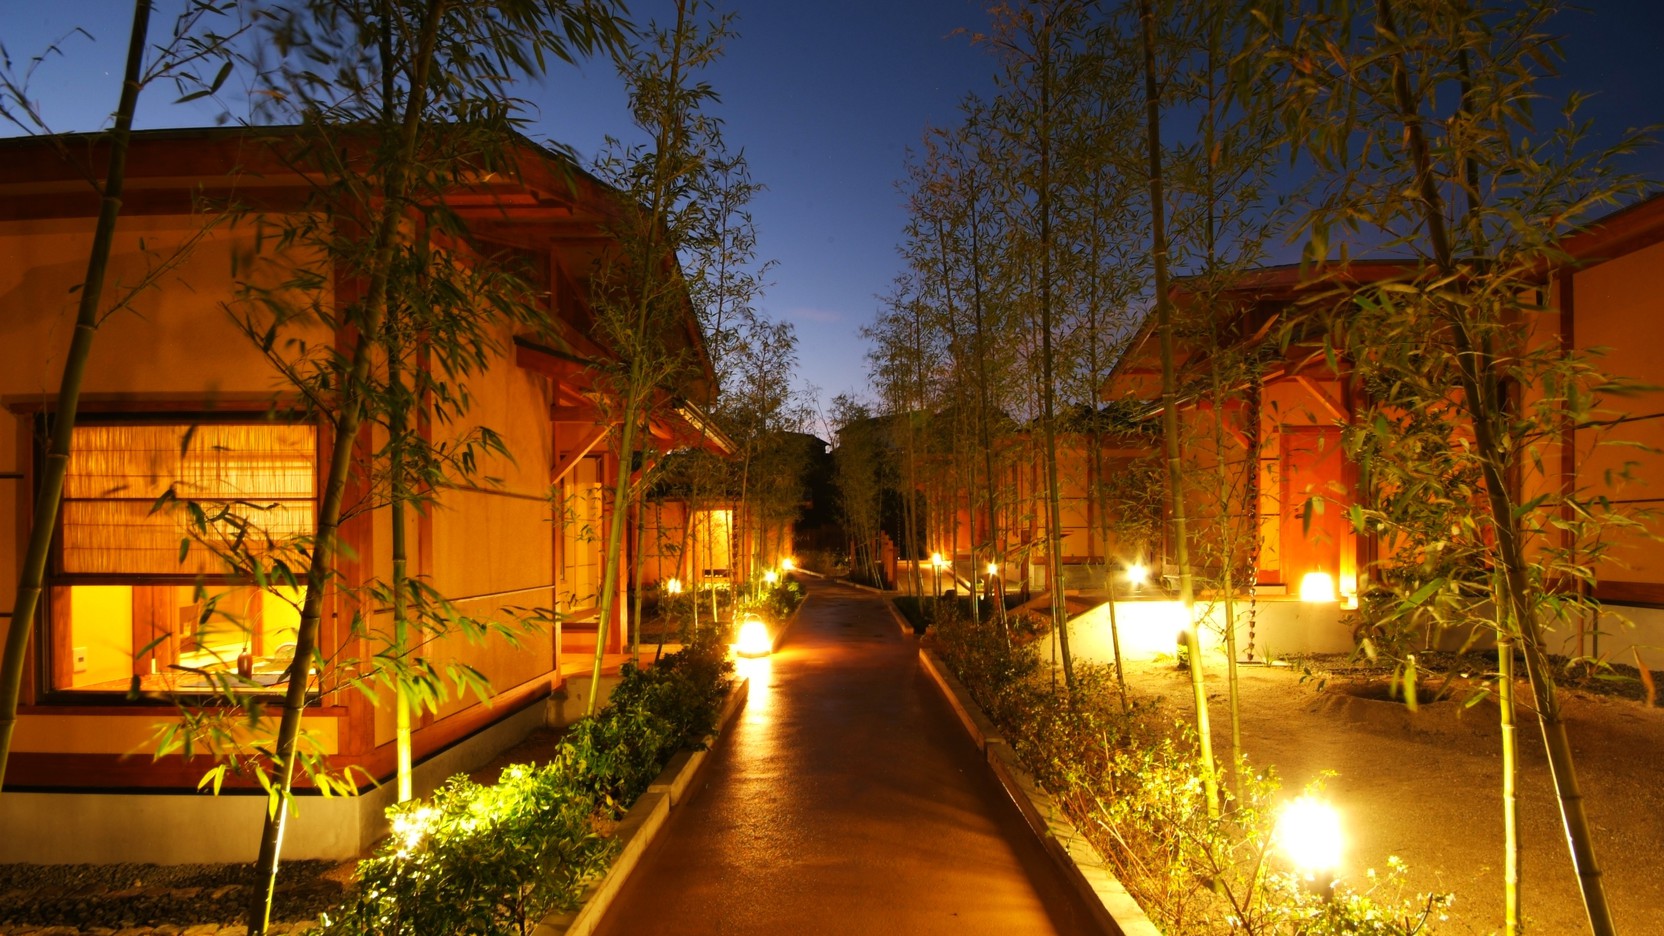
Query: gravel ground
166 900
1424 785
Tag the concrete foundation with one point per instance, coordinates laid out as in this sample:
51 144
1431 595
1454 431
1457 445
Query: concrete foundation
1288 627
186 828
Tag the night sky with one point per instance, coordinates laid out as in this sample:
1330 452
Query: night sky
825 99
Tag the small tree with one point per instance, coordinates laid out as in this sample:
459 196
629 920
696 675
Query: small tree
640 292
1420 119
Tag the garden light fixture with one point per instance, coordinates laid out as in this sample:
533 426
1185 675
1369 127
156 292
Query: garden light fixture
673 586
770 577
754 639
1318 588
1137 574
1308 832
787 564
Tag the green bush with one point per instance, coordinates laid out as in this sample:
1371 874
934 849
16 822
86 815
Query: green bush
1134 788
494 860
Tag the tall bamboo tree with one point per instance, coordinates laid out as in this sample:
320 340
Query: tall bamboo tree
1479 196
641 293
191 43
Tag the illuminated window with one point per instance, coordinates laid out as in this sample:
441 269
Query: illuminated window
125 602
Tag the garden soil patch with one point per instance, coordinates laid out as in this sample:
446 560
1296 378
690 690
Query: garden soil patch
1426 786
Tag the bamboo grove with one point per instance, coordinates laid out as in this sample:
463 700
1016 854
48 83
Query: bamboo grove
1133 153
386 107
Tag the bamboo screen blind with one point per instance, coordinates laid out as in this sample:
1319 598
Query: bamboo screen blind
265 473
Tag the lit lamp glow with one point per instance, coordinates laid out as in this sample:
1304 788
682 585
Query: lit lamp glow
787 564
936 559
1308 832
1137 574
754 639
770 577
1317 587
673 586
993 568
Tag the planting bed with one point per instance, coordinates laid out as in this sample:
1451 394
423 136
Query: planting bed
1425 786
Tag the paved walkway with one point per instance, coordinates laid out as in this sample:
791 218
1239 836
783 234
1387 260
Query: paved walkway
846 799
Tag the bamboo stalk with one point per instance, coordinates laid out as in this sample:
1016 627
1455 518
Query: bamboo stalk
49 496
1169 409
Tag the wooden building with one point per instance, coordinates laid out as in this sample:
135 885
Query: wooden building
178 397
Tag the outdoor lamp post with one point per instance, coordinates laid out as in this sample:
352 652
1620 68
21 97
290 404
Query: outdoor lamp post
936 566
1308 833
753 640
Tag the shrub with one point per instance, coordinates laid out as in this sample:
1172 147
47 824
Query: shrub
1134 788
496 859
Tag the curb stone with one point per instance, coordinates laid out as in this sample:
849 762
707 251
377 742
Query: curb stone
1112 908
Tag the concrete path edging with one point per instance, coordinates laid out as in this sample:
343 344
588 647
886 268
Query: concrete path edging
1112 907
641 825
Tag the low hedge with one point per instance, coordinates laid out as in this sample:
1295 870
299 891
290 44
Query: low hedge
494 860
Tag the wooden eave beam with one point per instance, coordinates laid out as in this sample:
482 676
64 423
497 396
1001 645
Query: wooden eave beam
576 414
1318 394
586 444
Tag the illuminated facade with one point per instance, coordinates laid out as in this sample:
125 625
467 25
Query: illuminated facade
142 607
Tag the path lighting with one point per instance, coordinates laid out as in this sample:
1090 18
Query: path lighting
936 564
411 826
770 577
754 639
1318 588
673 586
1308 833
1137 574
787 564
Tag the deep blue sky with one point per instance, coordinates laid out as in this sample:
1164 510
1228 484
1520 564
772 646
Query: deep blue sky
825 98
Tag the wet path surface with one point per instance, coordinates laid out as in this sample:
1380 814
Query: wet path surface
845 799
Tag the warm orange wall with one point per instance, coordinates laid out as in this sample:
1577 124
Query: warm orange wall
1619 311
176 342
493 547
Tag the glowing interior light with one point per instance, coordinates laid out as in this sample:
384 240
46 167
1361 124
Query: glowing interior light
1138 573
993 568
673 586
1308 832
754 639
1317 587
771 576
936 559
787 564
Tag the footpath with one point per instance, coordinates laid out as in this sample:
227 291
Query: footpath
846 799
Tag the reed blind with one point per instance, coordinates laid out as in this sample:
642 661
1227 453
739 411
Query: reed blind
266 474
